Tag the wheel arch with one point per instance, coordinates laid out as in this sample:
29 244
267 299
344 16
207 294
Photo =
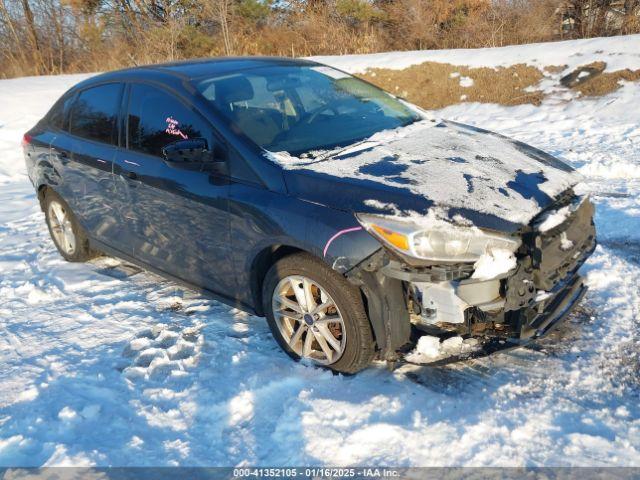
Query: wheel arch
261 264
268 256
41 191
385 303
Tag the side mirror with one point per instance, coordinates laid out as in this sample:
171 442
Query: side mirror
193 150
194 154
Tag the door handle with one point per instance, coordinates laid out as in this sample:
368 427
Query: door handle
130 174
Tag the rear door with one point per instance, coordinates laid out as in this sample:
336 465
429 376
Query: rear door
88 151
178 219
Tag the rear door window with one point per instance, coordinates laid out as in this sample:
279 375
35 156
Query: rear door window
157 118
94 113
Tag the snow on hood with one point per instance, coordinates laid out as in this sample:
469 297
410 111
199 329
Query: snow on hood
462 170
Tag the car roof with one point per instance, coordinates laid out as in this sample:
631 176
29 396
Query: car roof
202 68
188 70
199 68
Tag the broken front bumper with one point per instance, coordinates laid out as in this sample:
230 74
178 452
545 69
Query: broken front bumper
550 314
506 312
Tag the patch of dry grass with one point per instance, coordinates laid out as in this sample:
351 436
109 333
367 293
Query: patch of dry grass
555 68
434 85
607 82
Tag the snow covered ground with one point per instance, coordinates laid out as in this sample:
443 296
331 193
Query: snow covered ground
618 52
103 364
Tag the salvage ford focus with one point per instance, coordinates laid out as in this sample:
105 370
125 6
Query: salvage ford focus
358 224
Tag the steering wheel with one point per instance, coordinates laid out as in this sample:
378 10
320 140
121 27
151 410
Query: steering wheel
310 116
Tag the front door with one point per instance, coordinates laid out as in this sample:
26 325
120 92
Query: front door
177 219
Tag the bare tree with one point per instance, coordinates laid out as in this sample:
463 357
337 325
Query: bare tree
36 54
55 36
631 20
15 42
221 10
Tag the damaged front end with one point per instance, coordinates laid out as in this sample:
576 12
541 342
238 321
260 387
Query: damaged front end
440 313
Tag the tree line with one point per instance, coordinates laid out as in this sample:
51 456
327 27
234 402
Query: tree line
61 36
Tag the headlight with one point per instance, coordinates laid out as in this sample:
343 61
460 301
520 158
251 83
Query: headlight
442 242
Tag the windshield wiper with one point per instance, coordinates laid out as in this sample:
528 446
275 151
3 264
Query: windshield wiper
326 154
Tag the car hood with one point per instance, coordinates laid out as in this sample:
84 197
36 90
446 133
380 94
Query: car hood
463 173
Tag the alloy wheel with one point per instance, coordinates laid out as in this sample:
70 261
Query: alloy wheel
309 319
61 227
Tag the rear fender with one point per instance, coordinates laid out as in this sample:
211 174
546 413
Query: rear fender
40 168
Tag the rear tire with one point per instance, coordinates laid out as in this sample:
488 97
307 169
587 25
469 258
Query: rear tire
315 313
67 234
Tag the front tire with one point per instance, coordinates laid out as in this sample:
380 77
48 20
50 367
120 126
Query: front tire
67 234
315 313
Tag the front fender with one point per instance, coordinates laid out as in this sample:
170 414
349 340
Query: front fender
339 240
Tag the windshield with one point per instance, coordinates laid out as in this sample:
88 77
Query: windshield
298 109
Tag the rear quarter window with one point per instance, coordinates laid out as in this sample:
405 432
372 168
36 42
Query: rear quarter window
94 113
58 115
